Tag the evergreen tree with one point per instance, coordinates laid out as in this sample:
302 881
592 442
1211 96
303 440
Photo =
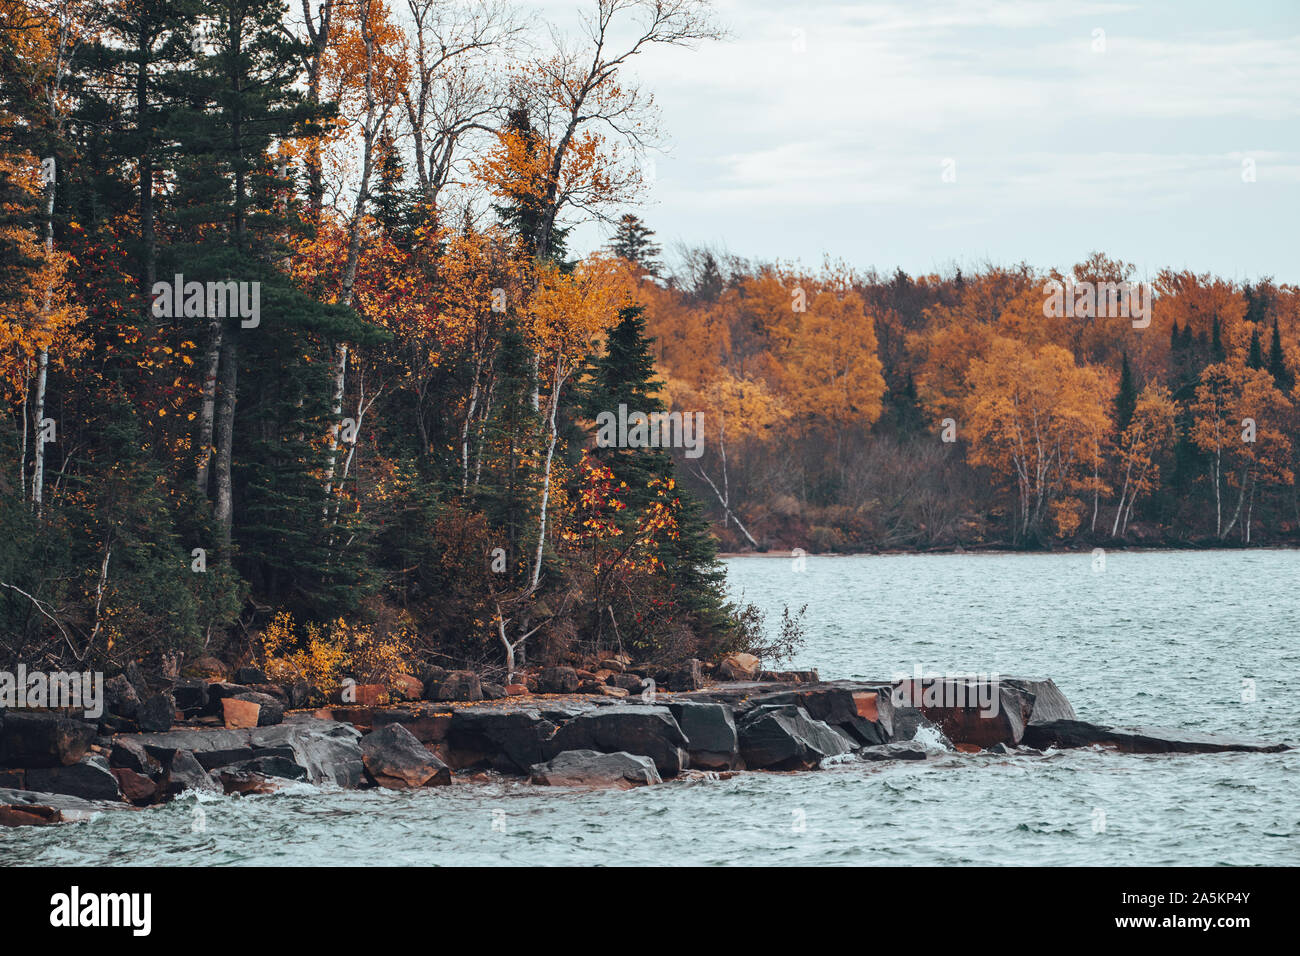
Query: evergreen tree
633 241
625 374
1126 398
1277 366
1255 356
1217 353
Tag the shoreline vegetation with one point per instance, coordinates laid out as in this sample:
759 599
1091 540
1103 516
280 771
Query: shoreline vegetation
302 374
557 731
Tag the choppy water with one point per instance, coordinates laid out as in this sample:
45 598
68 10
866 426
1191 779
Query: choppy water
1164 638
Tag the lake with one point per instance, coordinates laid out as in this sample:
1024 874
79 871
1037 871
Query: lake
1207 641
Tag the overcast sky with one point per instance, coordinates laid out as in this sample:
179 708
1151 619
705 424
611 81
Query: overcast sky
826 128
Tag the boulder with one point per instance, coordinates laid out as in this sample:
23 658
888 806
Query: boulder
739 667
39 739
250 675
427 725
120 698
270 711
406 687
302 694
558 680
863 712
13 779
137 788
516 690
90 779
240 714
632 683
900 750
459 685
431 678
157 714
784 737
590 768
710 730
969 711
329 750
690 676
244 783
207 667
191 697
1141 740
182 772
128 753
492 691
396 760
649 731
508 740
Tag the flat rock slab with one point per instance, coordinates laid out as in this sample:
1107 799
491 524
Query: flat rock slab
1142 740
903 750
29 808
590 768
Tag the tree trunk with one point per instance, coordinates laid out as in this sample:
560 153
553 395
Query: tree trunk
224 511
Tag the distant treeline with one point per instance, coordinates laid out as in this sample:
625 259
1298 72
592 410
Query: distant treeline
854 411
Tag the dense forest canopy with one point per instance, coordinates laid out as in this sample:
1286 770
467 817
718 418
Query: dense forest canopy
298 367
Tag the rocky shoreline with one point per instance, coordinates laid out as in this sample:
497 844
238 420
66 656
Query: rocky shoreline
59 769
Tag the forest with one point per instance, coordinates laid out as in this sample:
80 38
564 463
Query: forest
298 367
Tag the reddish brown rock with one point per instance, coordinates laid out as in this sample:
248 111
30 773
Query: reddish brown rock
240 714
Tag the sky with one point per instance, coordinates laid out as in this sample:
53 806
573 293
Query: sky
928 134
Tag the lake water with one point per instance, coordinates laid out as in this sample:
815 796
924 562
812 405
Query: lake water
1165 638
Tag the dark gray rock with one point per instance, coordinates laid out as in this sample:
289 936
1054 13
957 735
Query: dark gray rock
329 750
902 750
396 760
157 714
558 680
784 737
710 731
128 753
632 683
191 697
120 698
507 740
271 767
90 779
43 740
459 685
690 676
1142 740
590 768
250 675
649 731
182 772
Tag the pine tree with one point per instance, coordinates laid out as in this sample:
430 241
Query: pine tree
1255 356
625 374
1126 398
1217 353
1277 366
633 241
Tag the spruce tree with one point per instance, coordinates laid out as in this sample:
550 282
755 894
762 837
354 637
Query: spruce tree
1126 398
634 242
625 374
1277 366
1255 356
